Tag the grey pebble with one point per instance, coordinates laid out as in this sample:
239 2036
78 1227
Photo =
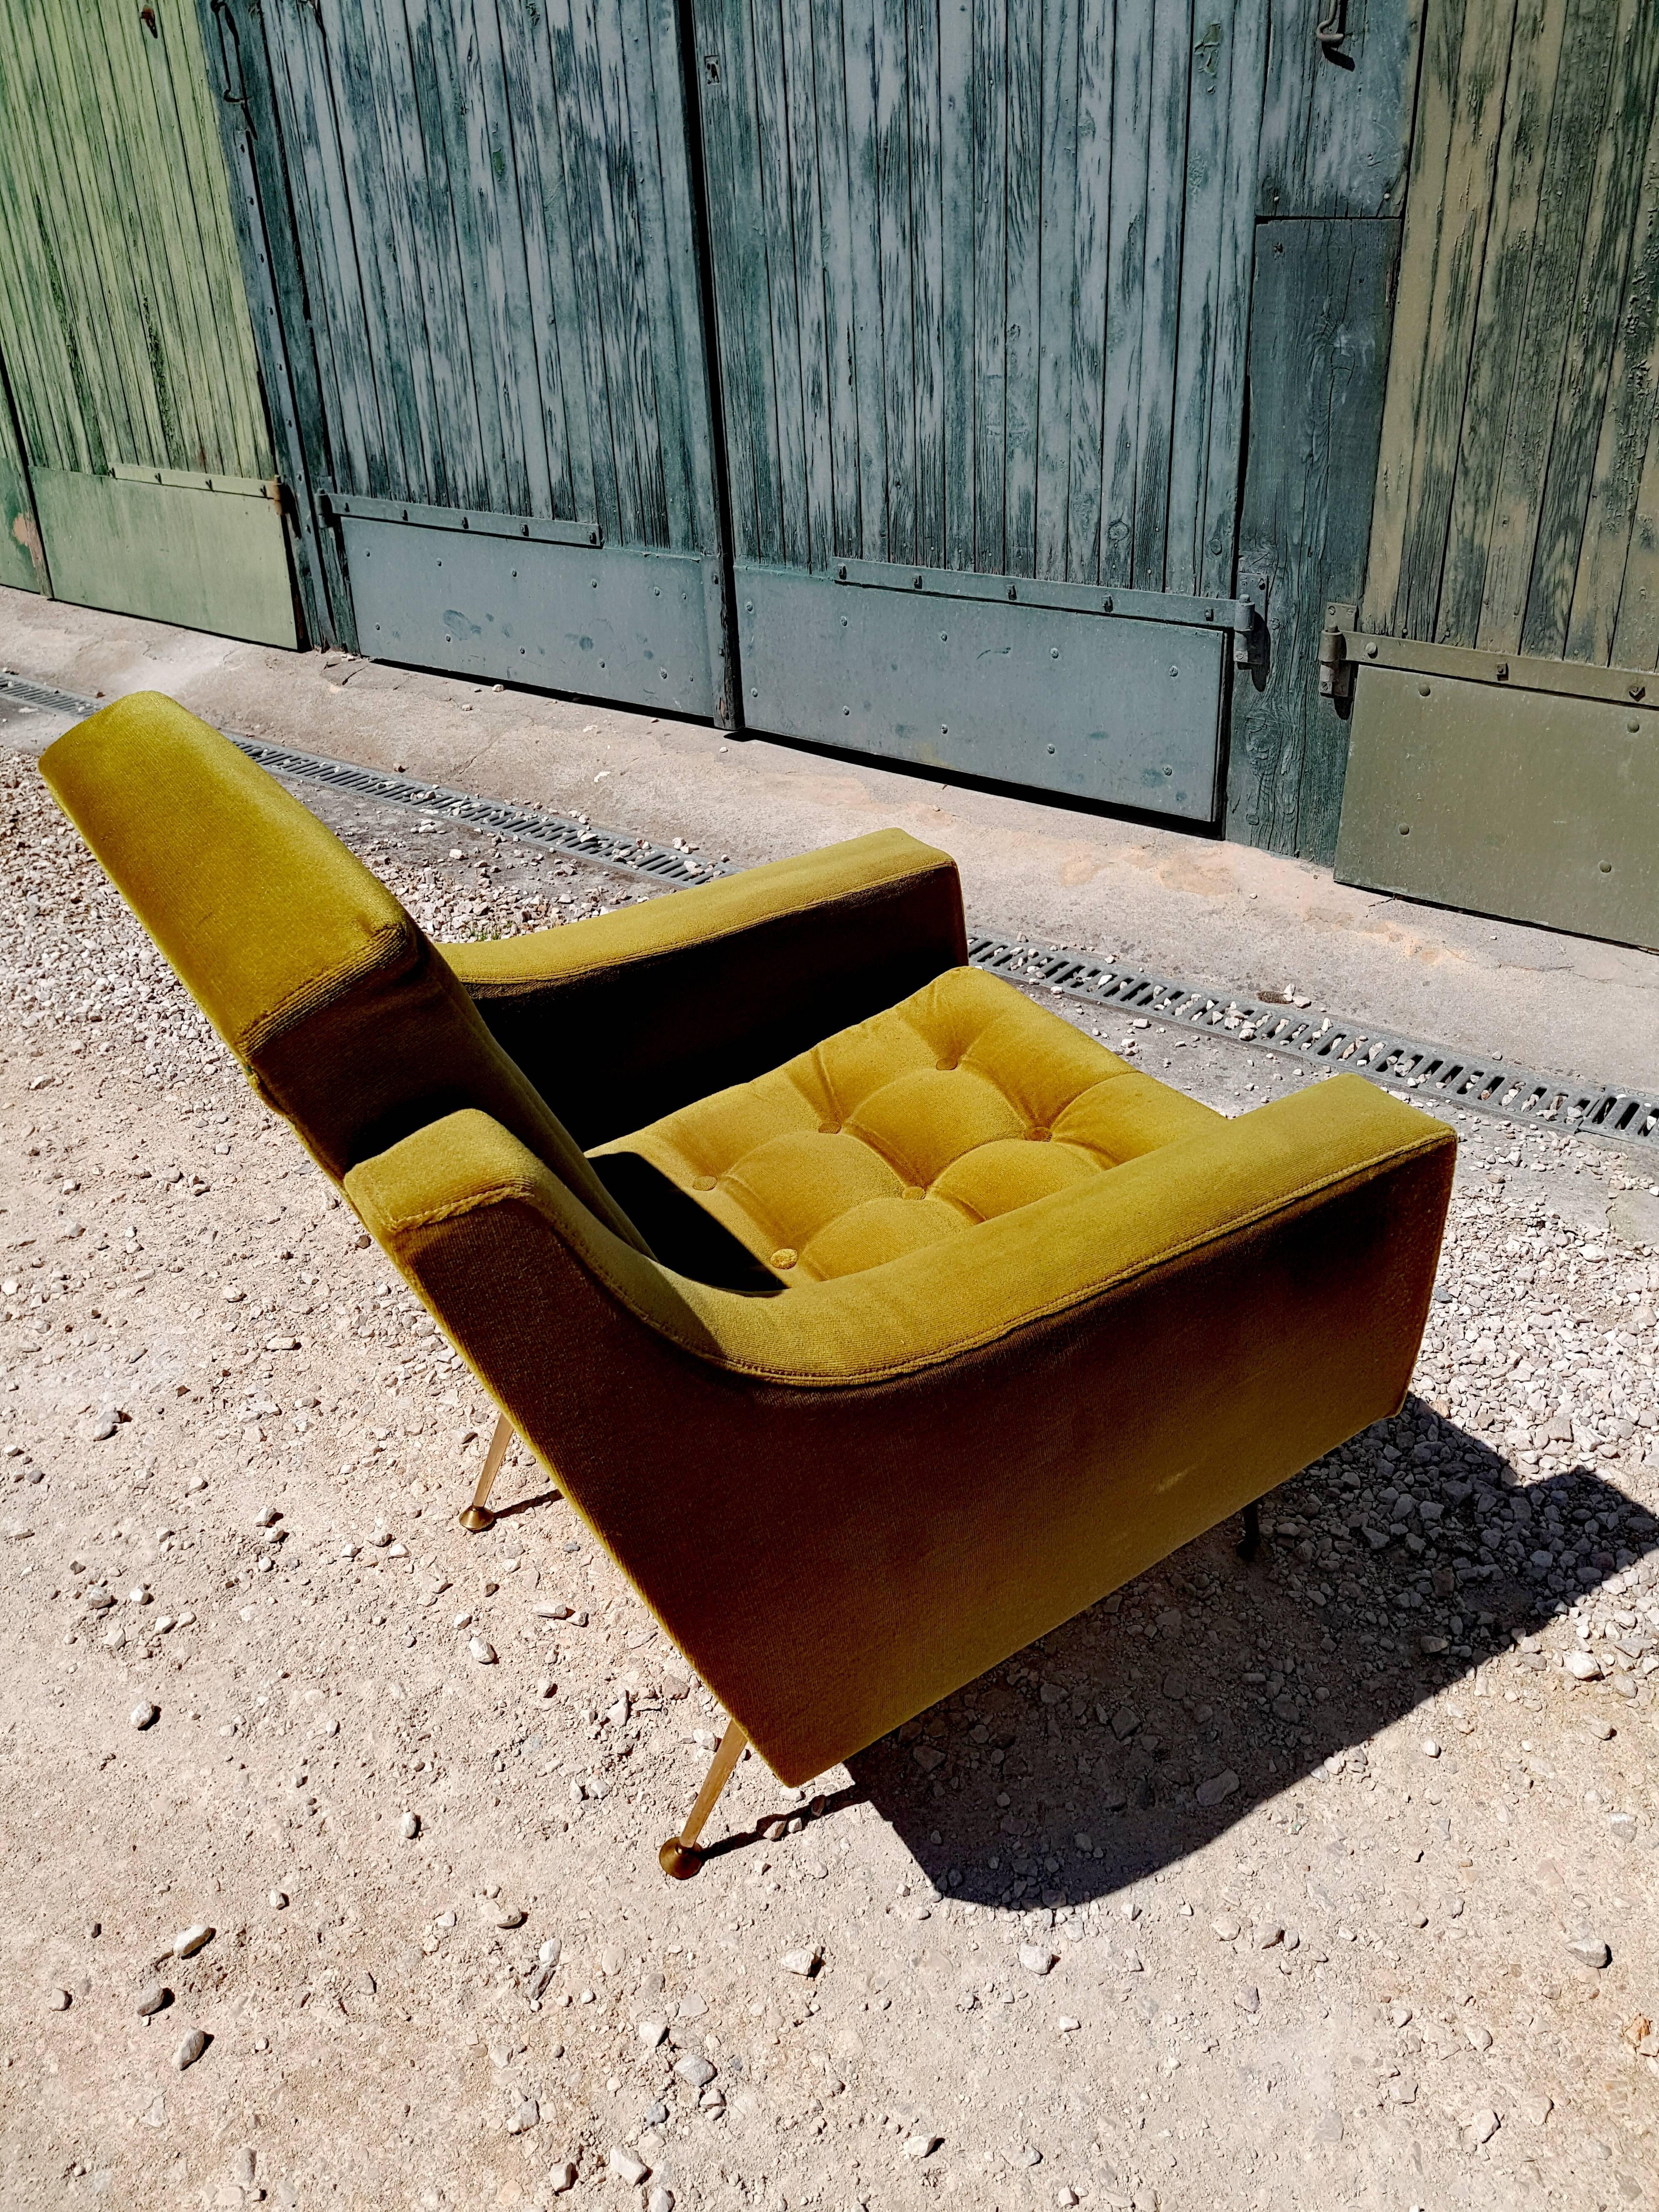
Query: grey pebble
410 1826
153 2000
1589 1951
144 1716
190 2049
58 2000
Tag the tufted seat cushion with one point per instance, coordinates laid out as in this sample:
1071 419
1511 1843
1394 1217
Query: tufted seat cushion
960 1103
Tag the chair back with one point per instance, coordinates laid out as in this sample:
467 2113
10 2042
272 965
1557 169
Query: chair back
346 1017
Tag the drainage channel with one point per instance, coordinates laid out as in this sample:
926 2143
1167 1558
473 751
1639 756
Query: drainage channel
1436 1074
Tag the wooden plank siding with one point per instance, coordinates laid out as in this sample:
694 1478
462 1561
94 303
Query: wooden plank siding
123 326
1518 505
493 224
982 279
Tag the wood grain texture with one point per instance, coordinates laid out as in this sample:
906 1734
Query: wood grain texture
1517 486
940 273
490 212
1319 343
1336 129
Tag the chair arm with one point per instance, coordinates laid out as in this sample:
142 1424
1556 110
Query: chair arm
624 1018
845 1502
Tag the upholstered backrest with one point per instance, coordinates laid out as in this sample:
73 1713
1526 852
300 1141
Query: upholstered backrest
346 1018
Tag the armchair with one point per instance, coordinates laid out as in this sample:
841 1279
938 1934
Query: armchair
874 1319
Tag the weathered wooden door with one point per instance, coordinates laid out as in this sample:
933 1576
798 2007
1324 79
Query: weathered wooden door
493 226
981 273
1504 749
142 466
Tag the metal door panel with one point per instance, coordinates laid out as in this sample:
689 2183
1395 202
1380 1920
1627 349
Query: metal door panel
620 622
1098 707
173 552
1525 804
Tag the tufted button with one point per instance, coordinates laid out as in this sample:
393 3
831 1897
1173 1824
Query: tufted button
914 1190
785 1256
947 1066
1038 1136
829 1129
707 1182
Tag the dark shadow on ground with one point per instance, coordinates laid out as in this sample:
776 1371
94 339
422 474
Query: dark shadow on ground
1206 1667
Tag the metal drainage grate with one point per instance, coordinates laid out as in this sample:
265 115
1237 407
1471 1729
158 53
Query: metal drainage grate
1432 1071
1436 1071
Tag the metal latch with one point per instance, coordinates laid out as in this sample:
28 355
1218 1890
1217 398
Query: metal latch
1335 669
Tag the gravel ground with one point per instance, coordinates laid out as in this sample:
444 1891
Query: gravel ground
1327 1880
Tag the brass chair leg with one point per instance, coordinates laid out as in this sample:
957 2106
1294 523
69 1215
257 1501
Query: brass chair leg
478 1516
679 1856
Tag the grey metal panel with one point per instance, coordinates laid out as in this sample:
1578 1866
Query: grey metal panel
1091 705
623 623
1517 803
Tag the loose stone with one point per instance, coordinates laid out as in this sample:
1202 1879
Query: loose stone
1037 1958
561 2178
660 2200
153 2000
482 1652
58 2000
1589 1951
410 1826
697 2071
651 2033
626 2168
525 2116
801 1962
144 1716
189 1940
190 2049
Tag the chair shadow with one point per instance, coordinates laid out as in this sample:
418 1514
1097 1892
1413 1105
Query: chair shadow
1107 1725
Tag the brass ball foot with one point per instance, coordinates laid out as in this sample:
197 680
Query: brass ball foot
679 1860
477 1519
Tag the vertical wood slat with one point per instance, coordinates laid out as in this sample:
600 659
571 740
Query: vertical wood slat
836 256
1056 285
1498 315
958 304
604 405
1166 167
1592 331
1126 297
799 80
671 368
989 364
1023 236
892 218
716 63
1581 93
1224 459
1200 256
782 303
1091 262
927 278
1615 606
528 61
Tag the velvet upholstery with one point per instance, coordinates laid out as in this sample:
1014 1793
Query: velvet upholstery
1036 1319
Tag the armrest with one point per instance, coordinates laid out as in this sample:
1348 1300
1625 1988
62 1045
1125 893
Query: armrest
845 1502
623 1018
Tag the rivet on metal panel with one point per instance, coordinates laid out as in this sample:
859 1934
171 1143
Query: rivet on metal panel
1502 671
1422 691
1107 608
1607 867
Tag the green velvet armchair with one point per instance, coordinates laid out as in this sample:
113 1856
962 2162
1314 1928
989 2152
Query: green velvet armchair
941 1321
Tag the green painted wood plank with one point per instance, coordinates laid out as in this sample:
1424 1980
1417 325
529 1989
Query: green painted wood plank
1319 338
927 278
782 302
831 154
1483 75
892 217
1336 130
806 238
1121 417
1465 57
1617 523
646 146
384 263
721 111
1499 315
629 304
990 133
1024 250
528 59
1592 333
958 304
1224 458
604 405
1581 95
244 446
869 353
1091 261
1056 285
1198 303
350 409
1160 309
1635 637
